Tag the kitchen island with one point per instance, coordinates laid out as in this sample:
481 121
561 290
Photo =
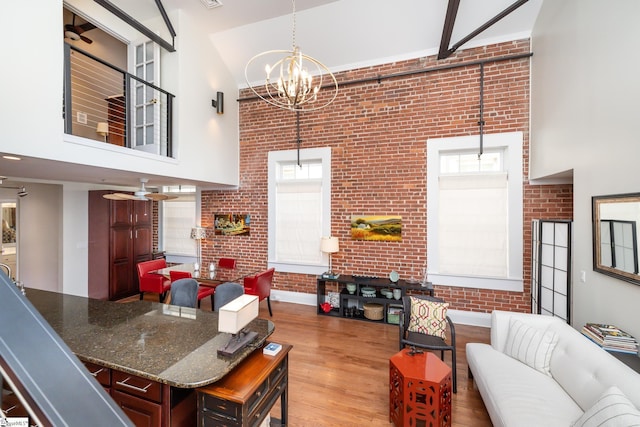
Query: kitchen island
149 357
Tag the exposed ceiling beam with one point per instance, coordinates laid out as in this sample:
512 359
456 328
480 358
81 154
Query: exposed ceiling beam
141 28
450 21
447 29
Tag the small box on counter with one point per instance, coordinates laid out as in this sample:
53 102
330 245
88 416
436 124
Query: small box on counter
272 349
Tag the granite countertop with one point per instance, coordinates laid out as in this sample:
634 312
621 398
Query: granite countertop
168 344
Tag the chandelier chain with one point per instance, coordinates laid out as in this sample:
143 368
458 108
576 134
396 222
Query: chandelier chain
294 80
293 2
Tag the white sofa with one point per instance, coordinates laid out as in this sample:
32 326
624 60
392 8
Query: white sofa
516 394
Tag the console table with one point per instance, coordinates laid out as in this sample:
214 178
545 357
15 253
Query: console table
246 395
356 299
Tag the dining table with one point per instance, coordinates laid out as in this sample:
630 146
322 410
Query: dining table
210 277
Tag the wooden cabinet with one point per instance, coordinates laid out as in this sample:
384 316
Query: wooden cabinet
245 396
139 398
147 403
120 236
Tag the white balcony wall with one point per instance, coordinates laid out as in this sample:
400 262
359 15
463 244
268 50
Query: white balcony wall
205 144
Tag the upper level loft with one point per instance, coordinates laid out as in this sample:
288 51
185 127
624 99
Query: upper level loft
103 101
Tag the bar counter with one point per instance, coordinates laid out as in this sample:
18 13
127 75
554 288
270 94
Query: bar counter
172 345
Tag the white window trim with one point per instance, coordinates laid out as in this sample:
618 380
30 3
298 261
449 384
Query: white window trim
275 157
180 258
512 143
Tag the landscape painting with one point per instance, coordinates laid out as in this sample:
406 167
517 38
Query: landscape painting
232 224
376 227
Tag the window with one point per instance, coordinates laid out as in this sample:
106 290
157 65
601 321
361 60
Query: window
474 211
299 209
178 216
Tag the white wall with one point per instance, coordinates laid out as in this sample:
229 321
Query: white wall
75 235
585 87
34 85
40 237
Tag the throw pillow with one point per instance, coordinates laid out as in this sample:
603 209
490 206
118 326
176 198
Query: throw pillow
530 345
428 317
612 409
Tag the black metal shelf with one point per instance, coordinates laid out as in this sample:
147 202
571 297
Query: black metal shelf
360 281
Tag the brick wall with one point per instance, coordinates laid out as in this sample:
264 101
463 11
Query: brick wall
378 131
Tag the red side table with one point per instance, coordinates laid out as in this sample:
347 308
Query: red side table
419 390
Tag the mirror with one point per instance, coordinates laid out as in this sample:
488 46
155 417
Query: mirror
615 235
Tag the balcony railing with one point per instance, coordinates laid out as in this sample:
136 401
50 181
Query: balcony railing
107 104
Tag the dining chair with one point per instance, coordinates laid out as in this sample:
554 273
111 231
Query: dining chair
225 293
260 285
227 263
184 292
203 291
424 324
152 282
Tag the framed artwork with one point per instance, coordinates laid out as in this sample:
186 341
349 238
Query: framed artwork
376 227
232 224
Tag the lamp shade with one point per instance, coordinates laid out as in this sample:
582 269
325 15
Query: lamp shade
102 128
329 244
237 314
198 233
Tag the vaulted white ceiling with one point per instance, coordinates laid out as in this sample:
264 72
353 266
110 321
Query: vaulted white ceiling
342 34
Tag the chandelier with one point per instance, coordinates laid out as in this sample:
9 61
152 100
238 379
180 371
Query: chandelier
294 80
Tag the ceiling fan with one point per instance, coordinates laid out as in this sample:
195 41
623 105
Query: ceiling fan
74 32
141 194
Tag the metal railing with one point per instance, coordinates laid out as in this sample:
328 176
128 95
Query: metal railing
107 104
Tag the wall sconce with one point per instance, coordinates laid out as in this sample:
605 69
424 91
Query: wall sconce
218 103
103 129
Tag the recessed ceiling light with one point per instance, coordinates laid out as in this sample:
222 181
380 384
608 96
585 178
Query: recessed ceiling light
210 4
11 158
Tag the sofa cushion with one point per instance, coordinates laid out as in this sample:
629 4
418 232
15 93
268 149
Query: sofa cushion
585 370
428 317
530 345
613 409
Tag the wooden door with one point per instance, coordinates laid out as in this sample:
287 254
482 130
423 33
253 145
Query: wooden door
143 413
121 263
121 213
142 214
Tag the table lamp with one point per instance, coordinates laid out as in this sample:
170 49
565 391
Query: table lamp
329 245
232 318
198 233
103 129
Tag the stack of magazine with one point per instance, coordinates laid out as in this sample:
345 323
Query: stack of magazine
610 338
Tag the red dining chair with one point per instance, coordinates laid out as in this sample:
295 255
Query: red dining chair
260 285
152 282
203 291
227 263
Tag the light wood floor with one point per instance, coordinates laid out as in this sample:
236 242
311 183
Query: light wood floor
339 369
